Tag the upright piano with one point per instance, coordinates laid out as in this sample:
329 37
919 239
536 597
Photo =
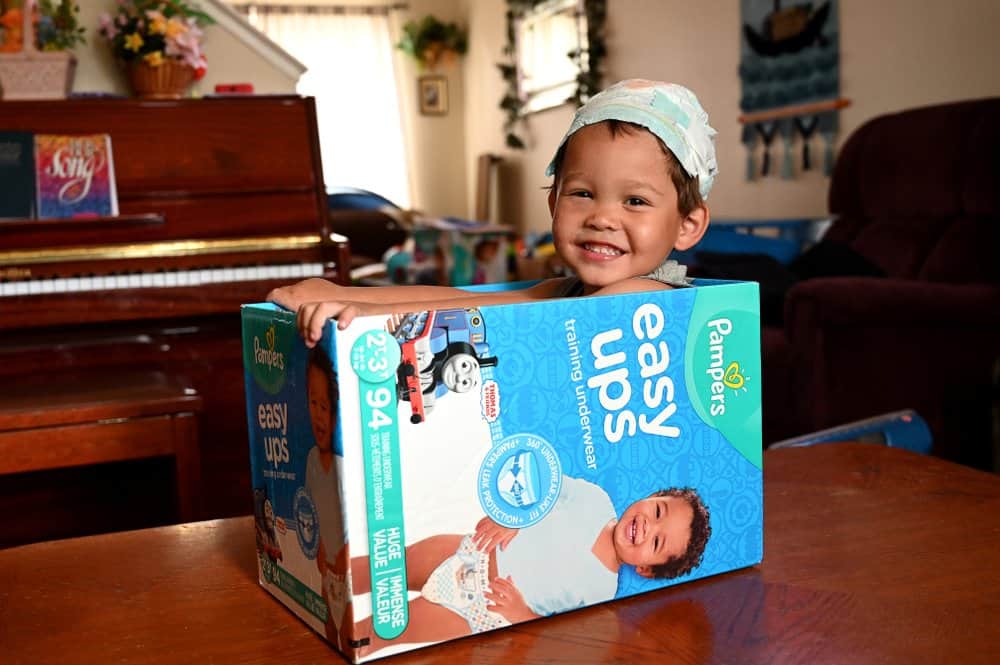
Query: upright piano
220 200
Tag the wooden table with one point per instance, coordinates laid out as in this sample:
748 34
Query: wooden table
872 555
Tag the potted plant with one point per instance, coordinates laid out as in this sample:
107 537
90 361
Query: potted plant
159 44
35 62
430 40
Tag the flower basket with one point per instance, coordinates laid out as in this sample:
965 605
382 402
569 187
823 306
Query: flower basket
35 75
32 74
158 44
168 80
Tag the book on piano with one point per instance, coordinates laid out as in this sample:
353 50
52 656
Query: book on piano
17 175
75 176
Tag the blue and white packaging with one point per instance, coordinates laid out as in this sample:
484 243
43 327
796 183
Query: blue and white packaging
424 477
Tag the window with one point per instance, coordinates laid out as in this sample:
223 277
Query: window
551 47
348 54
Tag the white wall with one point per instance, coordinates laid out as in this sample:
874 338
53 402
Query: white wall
895 54
435 143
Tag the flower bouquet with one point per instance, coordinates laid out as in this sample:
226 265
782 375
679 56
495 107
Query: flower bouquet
58 28
159 42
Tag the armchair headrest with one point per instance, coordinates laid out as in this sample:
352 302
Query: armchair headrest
934 161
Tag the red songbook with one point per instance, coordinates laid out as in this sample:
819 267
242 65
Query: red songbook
75 176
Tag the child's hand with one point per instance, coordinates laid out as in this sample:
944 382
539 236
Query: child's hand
293 296
506 600
489 534
311 316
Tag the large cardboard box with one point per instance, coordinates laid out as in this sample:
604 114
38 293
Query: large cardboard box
609 445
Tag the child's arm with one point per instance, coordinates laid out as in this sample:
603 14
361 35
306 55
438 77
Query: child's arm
315 289
376 300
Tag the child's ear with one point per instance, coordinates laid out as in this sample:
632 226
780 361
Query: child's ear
693 227
645 571
552 200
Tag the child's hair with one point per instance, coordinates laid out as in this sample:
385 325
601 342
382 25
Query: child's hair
701 530
688 194
321 361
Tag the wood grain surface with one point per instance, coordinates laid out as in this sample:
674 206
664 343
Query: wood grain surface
872 555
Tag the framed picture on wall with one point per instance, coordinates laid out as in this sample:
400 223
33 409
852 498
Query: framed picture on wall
433 93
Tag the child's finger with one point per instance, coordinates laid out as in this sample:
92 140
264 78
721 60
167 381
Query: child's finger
302 315
494 598
484 541
307 315
331 310
502 586
311 318
345 316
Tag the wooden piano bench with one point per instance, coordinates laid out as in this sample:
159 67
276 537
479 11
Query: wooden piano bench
52 422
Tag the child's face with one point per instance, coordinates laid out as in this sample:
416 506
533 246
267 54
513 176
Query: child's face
320 407
614 207
653 531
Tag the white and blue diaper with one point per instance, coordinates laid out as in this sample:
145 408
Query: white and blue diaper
670 111
460 583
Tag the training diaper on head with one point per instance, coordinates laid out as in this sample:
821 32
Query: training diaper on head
670 111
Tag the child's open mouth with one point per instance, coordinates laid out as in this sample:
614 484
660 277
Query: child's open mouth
601 249
633 530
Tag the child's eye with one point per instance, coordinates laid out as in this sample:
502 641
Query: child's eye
656 543
581 193
635 201
657 511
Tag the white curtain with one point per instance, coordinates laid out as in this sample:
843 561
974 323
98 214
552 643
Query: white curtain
348 53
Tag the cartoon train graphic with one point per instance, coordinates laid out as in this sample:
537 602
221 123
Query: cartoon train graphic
441 352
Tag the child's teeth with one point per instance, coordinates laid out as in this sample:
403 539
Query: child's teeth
603 249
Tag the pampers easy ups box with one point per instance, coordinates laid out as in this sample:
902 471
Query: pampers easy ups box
424 477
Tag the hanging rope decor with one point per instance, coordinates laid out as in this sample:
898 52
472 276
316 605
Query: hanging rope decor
806 124
766 131
790 79
750 141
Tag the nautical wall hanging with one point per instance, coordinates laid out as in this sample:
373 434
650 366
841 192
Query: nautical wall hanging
790 76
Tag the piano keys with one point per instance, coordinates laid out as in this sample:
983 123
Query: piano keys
161 279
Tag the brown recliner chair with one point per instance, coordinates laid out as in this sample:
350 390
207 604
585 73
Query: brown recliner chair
917 195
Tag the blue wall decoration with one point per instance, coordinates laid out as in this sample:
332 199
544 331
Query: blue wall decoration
790 77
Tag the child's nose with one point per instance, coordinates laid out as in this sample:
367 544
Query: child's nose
603 218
